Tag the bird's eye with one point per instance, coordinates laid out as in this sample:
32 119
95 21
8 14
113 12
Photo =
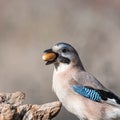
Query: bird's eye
64 50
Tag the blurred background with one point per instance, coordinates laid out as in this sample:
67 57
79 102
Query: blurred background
28 27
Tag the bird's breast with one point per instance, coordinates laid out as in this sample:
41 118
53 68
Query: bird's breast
60 86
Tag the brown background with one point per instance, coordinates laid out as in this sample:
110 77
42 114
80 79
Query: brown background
27 27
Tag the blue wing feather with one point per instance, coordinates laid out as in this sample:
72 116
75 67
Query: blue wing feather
87 92
97 95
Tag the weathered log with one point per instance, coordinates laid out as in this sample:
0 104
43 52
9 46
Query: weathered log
12 108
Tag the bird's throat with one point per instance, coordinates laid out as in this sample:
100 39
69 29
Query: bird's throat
60 67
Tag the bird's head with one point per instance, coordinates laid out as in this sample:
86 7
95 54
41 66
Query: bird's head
61 53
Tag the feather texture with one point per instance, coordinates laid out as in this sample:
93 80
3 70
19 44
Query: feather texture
87 92
79 91
97 95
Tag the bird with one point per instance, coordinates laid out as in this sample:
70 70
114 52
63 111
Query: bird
79 91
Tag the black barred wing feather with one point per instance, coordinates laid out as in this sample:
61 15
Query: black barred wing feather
96 94
87 92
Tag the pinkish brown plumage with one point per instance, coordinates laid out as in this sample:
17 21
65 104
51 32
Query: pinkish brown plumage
79 91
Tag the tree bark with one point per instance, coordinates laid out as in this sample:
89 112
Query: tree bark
12 108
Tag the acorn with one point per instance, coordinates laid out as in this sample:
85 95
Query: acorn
49 56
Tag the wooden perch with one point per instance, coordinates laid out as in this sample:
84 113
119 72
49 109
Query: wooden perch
11 108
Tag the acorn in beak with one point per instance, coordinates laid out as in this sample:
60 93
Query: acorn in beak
49 56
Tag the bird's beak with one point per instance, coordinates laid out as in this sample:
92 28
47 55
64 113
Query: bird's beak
49 56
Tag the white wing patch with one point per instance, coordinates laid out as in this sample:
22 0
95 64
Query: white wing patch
112 102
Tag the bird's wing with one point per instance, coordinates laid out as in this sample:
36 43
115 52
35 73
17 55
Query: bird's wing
97 95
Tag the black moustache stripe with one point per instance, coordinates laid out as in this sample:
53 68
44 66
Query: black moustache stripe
64 59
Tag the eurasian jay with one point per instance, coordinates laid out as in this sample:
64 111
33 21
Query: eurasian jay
79 91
